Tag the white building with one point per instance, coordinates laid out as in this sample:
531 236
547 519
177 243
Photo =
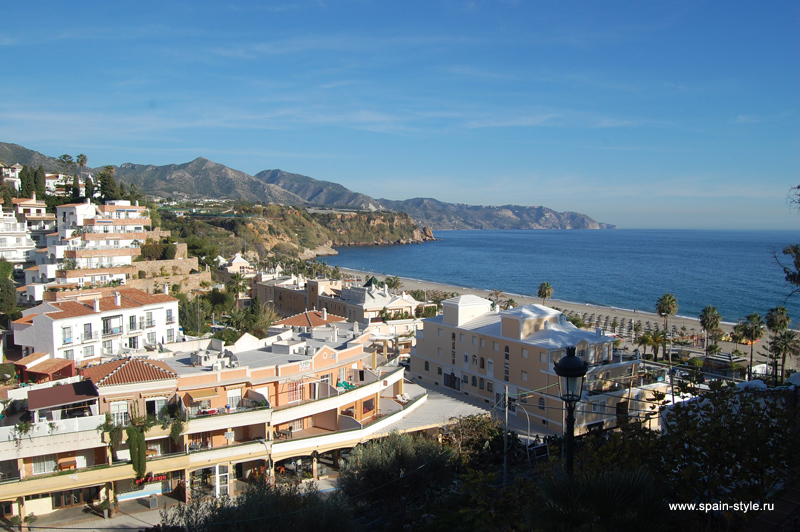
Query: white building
16 245
126 321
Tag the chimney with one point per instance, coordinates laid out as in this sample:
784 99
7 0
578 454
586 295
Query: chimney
117 299
97 304
166 288
33 195
325 314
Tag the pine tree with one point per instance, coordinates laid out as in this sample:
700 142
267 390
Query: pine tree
89 187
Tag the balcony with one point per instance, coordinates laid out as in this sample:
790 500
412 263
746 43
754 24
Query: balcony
150 323
91 337
170 320
112 331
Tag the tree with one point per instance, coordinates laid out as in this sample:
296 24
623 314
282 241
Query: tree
263 508
40 182
65 162
108 185
398 471
709 320
667 306
237 284
81 160
754 331
8 298
783 344
497 296
76 187
26 186
778 319
89 184
545 292
393 282
8 203
738 334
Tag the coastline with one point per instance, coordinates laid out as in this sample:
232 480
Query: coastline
692 324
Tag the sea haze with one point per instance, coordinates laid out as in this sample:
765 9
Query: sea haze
628 268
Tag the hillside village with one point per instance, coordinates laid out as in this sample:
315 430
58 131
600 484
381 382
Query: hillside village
140 364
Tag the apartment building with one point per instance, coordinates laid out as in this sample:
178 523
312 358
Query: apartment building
83 330
33 213
16 245
254 409
479 351
98 241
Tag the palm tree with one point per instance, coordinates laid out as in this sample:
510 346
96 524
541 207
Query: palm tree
645 341
667 306
637 329
778 321
754 327
236 285
496 296
709 320
739 334
660 339
783 344
81 160
509 303
545 292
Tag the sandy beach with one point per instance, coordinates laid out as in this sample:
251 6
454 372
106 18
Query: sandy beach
589 313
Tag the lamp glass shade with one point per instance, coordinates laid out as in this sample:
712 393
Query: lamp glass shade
570 370
571 388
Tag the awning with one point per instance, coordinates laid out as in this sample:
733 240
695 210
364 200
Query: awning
202 395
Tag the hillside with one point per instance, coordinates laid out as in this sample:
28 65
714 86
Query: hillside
204 178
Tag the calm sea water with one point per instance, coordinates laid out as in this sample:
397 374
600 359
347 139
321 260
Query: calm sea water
627 268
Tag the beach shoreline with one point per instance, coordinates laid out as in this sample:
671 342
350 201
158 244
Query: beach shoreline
626 315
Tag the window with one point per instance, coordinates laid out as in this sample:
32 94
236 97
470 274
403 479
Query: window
44 464
474 360
489 386
112 325
169 316
87 331
68 354
107 346
119 412
427 366
595 407
294 392
153 405
543 358
439 370
440 331
438 351
170 335
506 370
132 323
66 335
482 364
133 342
524 376
495 346
466 358
480 385
542 403
149 319
474 340
507 352
234 398
465 379
525 353
461 337
151 338
483 342
88 351
490 367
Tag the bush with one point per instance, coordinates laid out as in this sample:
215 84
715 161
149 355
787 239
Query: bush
142 274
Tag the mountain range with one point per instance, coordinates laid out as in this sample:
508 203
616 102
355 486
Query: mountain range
213 180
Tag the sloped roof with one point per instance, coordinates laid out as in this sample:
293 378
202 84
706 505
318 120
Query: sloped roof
130 298
65 394
309 318
48 367
30 359
25 320
128 371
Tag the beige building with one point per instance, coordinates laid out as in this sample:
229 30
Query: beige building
478 351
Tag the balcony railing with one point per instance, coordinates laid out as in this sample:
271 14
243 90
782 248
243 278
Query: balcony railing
112 331
170 320
150 323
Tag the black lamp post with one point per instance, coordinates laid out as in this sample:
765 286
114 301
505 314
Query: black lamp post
570 370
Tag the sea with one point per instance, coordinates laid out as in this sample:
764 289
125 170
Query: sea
735 271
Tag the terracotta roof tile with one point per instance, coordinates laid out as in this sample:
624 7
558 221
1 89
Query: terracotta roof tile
130 298
48 367
128 371
25 320
33 357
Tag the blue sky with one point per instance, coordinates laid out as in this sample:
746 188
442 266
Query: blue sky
642 114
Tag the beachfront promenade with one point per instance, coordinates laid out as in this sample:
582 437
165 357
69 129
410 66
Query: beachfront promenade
591 313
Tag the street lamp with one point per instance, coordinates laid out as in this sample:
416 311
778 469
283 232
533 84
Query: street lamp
570 370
